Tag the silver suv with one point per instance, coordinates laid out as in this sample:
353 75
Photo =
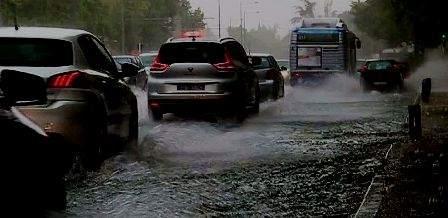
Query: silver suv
203 76
88 102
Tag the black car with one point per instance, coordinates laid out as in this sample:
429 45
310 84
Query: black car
141 80
382 74
203 75
272 83
34 163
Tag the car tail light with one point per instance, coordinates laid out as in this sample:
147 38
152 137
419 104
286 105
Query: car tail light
157 66
227 65
363 69
64 80
396 66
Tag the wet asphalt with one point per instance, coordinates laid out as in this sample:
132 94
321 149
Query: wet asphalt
313 153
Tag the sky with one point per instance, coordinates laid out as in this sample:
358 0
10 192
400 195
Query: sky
266 12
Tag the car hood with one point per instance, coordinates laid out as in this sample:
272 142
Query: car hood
44 72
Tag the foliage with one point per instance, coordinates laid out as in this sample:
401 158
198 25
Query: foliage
396 21
307 10
145 21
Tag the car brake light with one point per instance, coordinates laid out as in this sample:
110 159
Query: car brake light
363 69
227 65
64 80
157 66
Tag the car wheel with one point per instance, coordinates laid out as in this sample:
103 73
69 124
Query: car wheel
282 87
133 130
157 115
255 100
365 86
92 153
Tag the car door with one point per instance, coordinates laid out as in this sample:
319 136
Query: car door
106 80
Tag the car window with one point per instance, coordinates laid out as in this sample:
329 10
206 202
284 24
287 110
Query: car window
379 65
192 52
237 52
97 56
264 64
35 52
147 59
274 63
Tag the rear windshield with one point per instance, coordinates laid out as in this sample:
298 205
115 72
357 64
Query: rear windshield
124 60
379 65
147 59
35 52
192 52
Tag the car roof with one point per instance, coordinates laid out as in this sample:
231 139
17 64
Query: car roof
379 60
124 56
41 33
149 54
259 55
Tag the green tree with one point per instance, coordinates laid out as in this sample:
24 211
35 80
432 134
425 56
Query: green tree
145 21
305 10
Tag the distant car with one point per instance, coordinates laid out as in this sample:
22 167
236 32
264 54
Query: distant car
203 75
148 58
89 104
380 74
34 163
141 79
272 83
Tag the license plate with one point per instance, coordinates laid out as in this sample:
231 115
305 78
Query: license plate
191 87
380 83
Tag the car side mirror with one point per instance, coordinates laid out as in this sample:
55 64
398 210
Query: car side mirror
255 61
129 70
283 68
358 44
22 89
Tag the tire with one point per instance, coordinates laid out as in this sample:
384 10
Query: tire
365 86
92 153
157 115
249 103
282 88
133 130
278 89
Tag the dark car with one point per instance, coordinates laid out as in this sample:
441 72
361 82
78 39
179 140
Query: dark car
272 83
382 74
203 75
33 163
89 104
141 80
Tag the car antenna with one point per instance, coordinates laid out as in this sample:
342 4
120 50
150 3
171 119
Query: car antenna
16 23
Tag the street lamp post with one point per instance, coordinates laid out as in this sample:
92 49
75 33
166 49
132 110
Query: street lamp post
219 18
243 19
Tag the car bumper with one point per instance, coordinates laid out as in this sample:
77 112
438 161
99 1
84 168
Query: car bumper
69 114
163 94
191 102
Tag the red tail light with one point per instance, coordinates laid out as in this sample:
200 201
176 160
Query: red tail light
157 66
227 65
363 69
64 80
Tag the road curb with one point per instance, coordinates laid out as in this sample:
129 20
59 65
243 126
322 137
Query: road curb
372 200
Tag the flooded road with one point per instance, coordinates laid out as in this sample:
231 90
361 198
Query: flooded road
312 153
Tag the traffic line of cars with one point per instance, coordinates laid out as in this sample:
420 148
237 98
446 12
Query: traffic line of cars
64 95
